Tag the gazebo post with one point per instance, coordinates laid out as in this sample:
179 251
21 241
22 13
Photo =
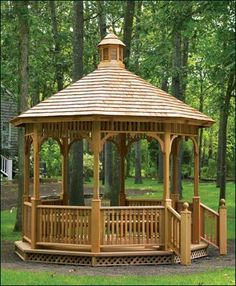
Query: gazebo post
122 170
36 198
196 198
166 180
175 152
96 202
26 169
64 194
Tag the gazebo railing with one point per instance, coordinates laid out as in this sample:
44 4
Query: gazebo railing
209 222
64 224
27 213
174 224
132 225
143 202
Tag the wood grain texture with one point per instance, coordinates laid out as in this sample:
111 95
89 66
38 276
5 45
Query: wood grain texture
113 91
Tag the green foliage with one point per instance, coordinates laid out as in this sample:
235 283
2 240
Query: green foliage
209 26
224 276
88 167
50 154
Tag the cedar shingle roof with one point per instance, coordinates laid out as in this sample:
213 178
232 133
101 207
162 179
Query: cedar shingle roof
114 91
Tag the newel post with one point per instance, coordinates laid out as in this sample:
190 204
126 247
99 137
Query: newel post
223 228
96 202
185 237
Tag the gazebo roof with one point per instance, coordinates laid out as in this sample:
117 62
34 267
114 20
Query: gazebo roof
111 90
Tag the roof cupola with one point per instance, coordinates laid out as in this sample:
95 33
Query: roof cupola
111 50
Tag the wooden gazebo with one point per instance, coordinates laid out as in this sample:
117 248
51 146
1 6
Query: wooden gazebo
114 104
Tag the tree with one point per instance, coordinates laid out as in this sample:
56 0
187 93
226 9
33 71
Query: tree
76 183
57 47
21 8
128 26
138 153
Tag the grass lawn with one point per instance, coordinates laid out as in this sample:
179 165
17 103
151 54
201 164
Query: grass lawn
225 276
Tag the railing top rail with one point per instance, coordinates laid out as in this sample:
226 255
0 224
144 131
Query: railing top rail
149 200
174 212
27 204
133 208
209 209
4 158
63 207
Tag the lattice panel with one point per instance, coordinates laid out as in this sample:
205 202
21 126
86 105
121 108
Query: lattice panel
199 253
59 259
176 259
133 260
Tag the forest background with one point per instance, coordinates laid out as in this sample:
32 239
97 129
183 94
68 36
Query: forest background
186 48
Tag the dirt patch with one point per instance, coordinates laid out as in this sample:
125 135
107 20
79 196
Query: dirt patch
11 261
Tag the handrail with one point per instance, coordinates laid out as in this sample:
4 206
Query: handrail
63 207
209 222
132 207
174 228
6 167
174 212
28 204
209 209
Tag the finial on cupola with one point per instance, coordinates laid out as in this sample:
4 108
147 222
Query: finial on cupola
111 50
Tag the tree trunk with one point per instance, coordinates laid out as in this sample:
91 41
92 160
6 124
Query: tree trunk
219 148
138 152
57 49
108 154
76 183
21 8
128 25
115 179
101 19
223 131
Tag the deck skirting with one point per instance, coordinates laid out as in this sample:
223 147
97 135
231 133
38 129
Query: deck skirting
147 257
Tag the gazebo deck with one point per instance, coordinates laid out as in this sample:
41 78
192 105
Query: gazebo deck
128 235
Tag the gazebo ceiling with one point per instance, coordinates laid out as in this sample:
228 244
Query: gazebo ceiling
111 90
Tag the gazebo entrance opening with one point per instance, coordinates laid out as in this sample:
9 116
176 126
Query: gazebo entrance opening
114 104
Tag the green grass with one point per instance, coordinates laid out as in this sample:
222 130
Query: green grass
7 224
225 276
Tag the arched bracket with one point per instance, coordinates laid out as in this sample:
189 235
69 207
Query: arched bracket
195 144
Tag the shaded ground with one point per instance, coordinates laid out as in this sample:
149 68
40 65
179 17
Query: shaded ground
11 261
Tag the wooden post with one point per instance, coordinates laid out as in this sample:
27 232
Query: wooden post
196 220
26 169
222 228
185 236
96 202
196 171
175 194
122 170
36 197
167 203
166 166
64 194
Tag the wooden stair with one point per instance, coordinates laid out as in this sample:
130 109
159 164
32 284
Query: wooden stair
130 256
